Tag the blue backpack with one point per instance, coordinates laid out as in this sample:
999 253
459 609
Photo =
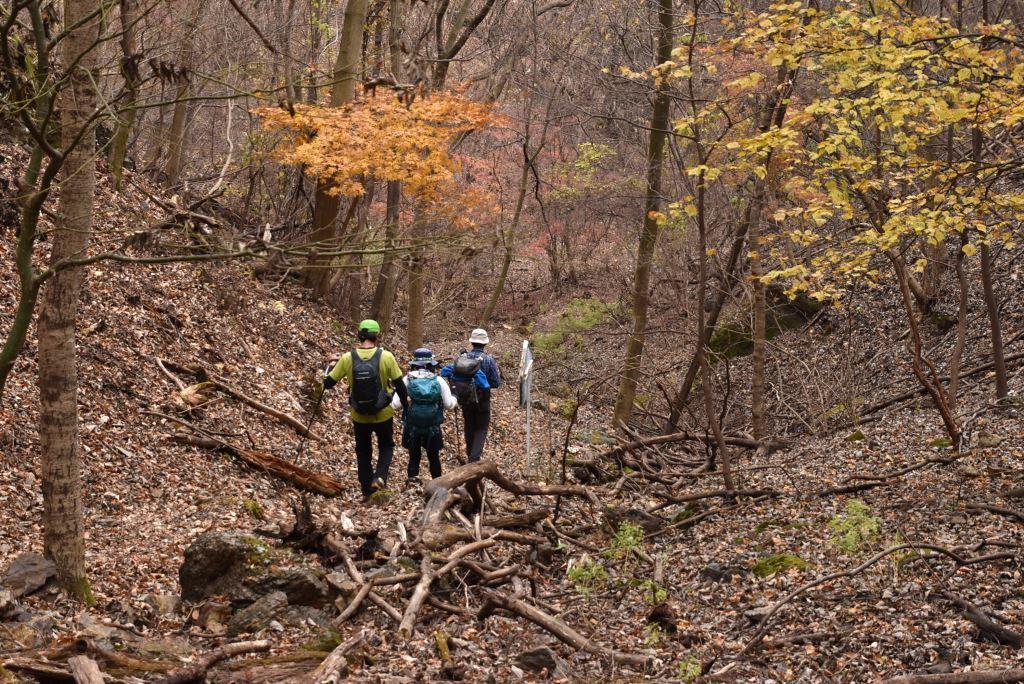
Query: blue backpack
425 409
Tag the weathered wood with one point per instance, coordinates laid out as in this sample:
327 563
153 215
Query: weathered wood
496 600
354 604
989 628
85 670
308 480
196 671
334 668
204 375
422 590
419 595
440 491
976 677
525 519
40 670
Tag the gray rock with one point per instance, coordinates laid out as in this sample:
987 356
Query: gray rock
258 615
27 573
217 563
8 606
306 616
162 604
543 658
717 572
303 586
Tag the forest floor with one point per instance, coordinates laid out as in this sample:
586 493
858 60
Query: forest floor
718 564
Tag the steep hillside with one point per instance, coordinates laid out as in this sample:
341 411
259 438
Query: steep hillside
690 594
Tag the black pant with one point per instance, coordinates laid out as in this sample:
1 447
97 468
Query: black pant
364 433
433 444
476 419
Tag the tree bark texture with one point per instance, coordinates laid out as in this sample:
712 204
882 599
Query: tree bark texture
343 91
63 523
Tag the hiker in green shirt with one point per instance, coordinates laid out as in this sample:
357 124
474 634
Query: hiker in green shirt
370 371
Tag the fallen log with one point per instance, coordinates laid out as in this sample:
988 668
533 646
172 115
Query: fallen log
334 668
1006 512
440 492
203 375
308 480
987 627
40 670
526 519
196 671
422 590
768 445
495 600
976 677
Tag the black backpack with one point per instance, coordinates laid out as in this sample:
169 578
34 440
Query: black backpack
464 385
367 394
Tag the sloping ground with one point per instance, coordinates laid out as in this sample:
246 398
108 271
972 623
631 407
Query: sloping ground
147 499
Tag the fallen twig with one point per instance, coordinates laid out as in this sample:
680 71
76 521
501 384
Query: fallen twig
977 677
496 600
334 667
197 671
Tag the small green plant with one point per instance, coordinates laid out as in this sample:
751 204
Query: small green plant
579 316
253 508
689 669
653 634
778 563
587 577
856 529
259 552
627 538
653 592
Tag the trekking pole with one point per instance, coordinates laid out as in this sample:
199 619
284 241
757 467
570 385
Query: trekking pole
460 455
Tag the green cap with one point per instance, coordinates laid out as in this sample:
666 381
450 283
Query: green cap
370 326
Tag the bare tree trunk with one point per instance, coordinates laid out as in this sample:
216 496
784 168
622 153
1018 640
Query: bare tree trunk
130 71
995 328
343 91
702 335
176 139
414 329
63 523
650 229
961 330
757 383
773 116
383 304
991 300
509 237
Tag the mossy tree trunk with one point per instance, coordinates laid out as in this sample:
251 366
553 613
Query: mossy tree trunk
649 230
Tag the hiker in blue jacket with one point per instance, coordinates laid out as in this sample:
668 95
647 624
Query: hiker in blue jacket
473 375
429 396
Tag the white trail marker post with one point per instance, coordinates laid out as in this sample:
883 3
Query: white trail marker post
525 384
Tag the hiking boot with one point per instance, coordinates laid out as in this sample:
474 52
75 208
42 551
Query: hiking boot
378 485
413 482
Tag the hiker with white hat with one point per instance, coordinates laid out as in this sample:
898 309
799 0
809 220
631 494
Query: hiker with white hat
473 375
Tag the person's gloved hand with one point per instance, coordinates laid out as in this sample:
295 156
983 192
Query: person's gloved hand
329 382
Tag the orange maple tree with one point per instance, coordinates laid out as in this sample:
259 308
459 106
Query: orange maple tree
379 136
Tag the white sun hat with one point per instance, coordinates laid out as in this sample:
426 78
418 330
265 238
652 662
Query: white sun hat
479 336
